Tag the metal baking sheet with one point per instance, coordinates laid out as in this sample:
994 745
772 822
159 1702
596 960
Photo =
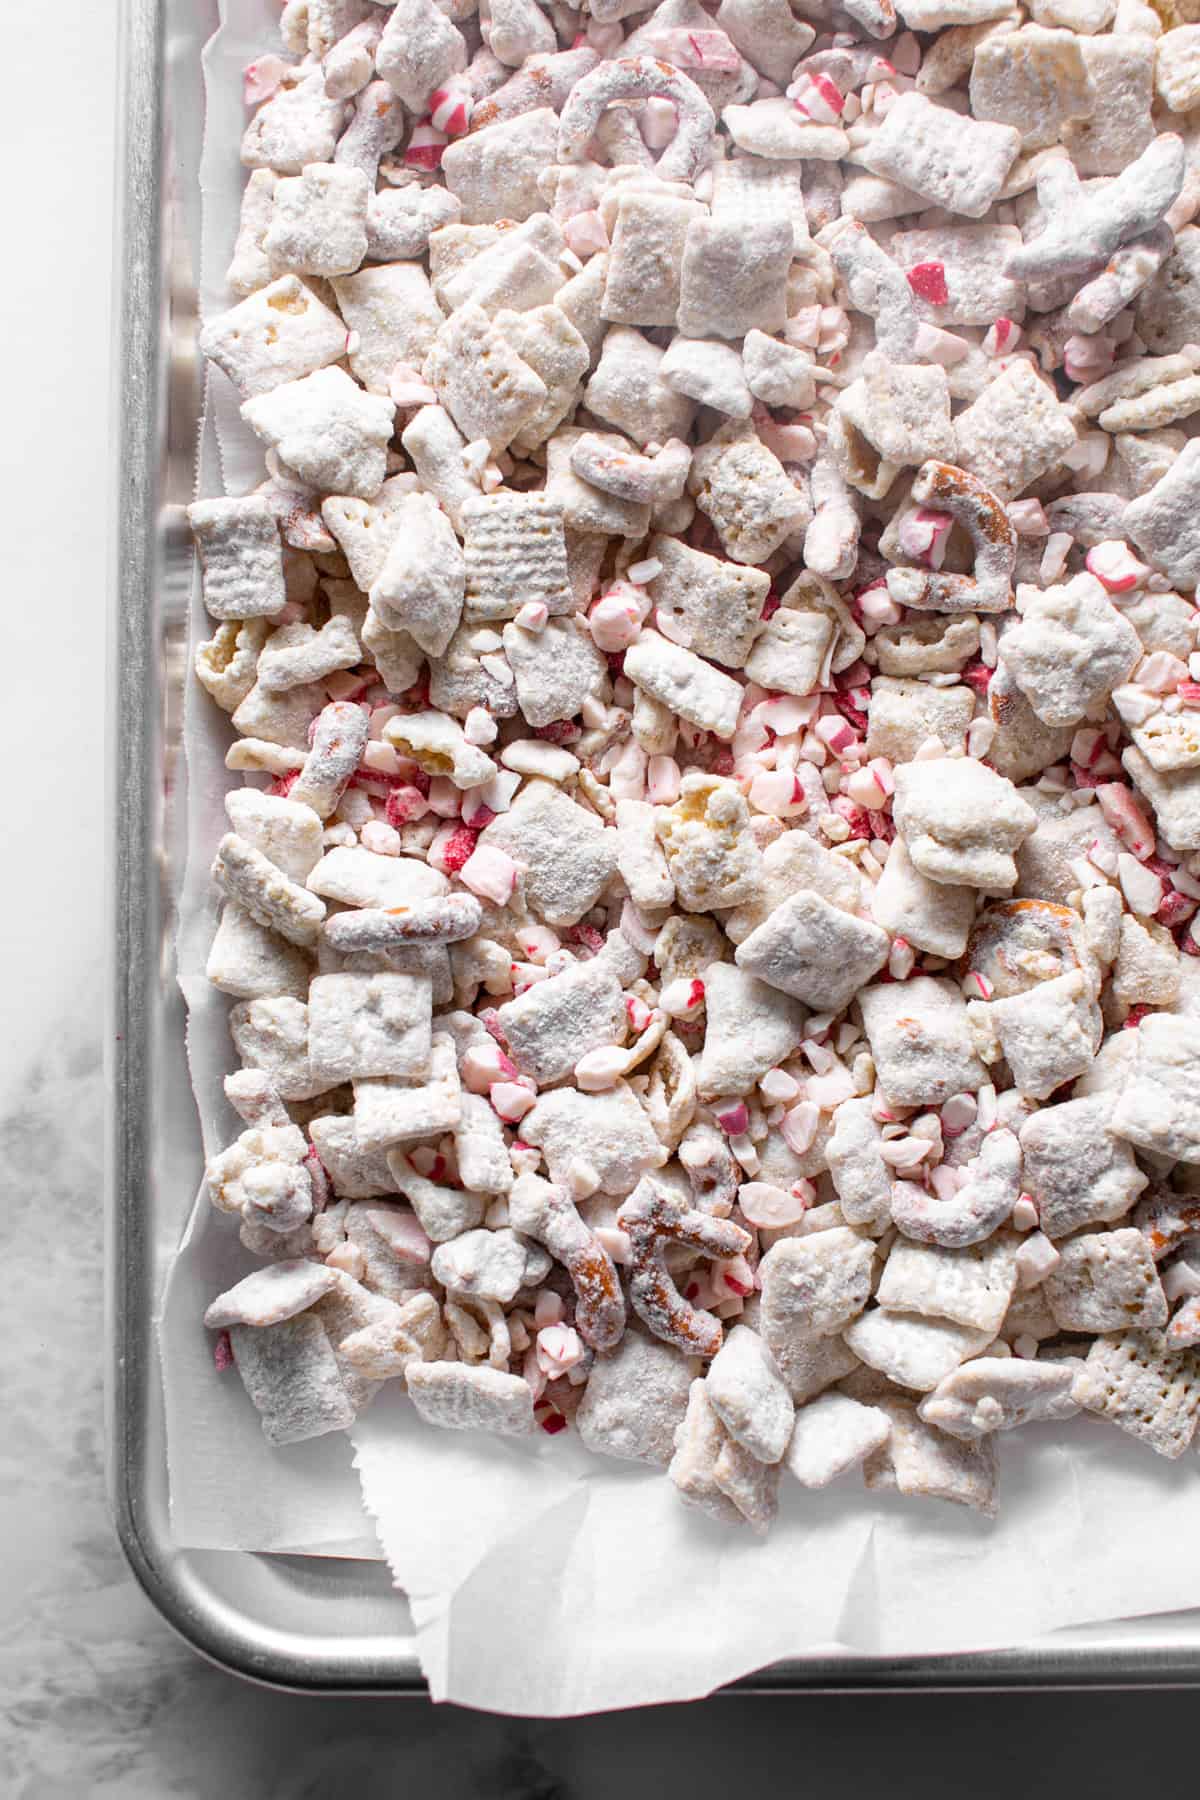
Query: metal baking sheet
303 1623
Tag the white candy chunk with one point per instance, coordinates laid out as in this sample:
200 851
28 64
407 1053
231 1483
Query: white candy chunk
961 822
328 430
459 1397
749 1396
832 1435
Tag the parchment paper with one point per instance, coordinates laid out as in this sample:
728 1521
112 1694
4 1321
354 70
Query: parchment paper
542 1580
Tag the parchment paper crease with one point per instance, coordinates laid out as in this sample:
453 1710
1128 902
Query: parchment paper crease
542 1580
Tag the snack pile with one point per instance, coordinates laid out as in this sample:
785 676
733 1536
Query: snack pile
714 660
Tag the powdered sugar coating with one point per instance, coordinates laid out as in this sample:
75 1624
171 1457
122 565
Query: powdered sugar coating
713 658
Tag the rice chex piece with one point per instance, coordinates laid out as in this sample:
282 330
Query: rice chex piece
913 1352
635 1399
996 1393
749 1395
1158 1108
832 1434
923 1462
1106 1281
291 1374
817 1283
815 951
971 1287
459 1397
515 551
1136 1380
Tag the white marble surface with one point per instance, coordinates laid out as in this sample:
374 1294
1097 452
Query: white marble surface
97 1698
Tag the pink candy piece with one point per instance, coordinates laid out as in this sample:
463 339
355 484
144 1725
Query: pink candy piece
1115 565
450 109
928 280
1001 337
261 78
401 1232
222 1352
485 1064
901 959
799 1126
489 873
817 98
559 1348
381 838
510 1100
585 234
770 1208
711 51
548 1308
406 387
663 780
637 1012
425 147
877 608
1126 818
923 534
733 1117
790 443
615 621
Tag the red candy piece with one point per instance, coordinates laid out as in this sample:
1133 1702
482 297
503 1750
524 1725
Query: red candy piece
928 280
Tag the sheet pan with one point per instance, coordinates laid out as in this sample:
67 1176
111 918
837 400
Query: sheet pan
305 1623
